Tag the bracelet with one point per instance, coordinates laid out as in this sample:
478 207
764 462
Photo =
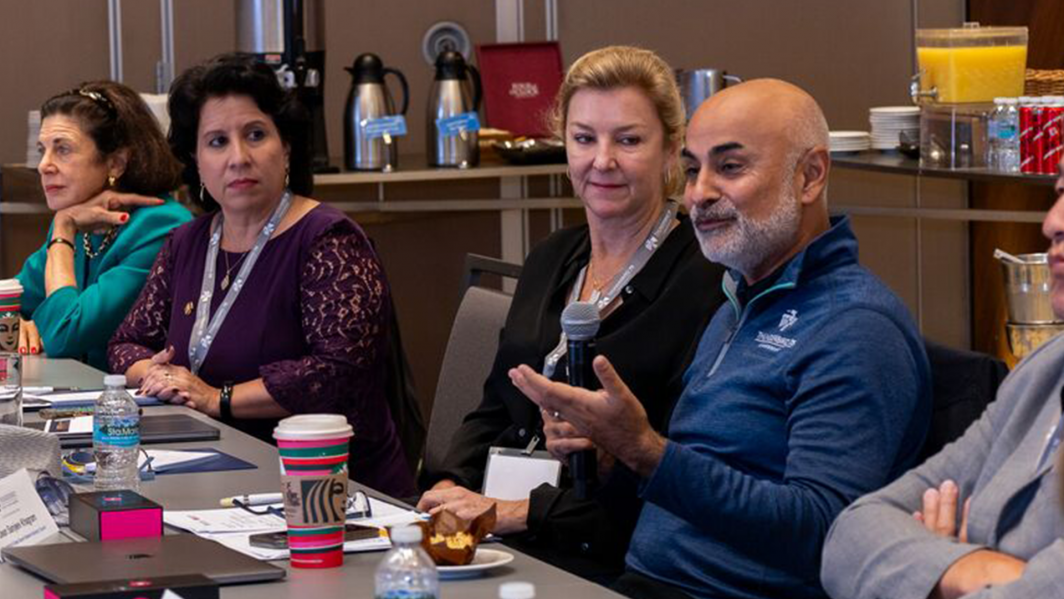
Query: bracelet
60 241
225 403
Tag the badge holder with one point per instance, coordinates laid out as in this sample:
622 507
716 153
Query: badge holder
512 474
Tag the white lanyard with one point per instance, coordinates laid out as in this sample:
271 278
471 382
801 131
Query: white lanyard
619 282
204 331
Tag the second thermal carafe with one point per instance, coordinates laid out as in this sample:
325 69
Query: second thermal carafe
452 113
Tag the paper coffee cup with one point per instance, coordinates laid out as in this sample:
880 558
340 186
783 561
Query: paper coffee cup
10 305
313 450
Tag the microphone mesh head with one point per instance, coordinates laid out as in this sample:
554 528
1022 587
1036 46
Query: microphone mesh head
580 321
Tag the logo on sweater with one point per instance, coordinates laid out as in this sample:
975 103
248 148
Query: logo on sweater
773 342
788 319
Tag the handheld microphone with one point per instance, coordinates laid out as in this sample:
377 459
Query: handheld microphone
580 323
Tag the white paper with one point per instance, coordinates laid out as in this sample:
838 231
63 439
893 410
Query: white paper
233 527
242 542
222 520
233 519
166 459
513 478
24 519
80 424
86 397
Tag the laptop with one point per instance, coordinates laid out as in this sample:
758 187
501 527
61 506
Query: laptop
163 428
168 555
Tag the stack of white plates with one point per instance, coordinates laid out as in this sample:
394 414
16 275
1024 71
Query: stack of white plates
850 141
888 123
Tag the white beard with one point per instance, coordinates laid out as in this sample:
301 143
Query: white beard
746 244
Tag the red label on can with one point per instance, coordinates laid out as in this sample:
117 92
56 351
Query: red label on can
1027 160
1051 138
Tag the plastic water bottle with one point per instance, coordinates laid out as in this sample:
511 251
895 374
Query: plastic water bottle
1003 134
116 437
517 590
407 572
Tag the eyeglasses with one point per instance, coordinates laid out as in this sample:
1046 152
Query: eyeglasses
356 508
55 493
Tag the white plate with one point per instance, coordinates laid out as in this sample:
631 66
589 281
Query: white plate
840 135
483 560
894 110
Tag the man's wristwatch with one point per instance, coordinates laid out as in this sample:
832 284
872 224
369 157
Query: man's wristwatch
225 403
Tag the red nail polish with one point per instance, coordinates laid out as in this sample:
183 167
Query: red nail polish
22 350
125 217
33 350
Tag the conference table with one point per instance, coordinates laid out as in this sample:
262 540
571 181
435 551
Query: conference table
203 490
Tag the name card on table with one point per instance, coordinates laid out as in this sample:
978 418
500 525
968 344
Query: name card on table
24 519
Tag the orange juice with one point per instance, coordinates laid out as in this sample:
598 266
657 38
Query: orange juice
973 74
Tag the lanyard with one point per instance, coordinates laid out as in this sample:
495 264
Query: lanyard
619 282
204 331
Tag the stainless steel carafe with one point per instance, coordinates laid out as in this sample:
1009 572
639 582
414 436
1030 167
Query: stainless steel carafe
697 85
452 109
368 101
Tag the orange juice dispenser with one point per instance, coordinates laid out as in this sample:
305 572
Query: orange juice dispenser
961 71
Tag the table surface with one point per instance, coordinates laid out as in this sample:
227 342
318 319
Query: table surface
203 490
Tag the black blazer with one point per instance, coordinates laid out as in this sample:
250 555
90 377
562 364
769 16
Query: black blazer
650 339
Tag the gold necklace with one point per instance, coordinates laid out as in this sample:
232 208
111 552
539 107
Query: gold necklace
229 269
106 241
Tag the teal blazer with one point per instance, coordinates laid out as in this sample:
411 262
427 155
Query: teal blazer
77 322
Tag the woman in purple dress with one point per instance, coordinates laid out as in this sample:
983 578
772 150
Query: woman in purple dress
270 304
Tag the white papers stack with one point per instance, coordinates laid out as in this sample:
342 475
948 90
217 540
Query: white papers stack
232 527
850 141
889 122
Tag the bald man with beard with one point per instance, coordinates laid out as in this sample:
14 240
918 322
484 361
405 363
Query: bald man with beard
810 386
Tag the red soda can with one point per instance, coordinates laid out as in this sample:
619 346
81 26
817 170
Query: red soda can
1037 135
1026 133
1052 139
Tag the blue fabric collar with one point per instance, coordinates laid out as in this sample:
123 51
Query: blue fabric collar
832 248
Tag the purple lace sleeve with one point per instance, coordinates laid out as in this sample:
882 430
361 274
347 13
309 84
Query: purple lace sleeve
143 332
345 314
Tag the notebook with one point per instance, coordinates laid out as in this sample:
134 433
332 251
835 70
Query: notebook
164 428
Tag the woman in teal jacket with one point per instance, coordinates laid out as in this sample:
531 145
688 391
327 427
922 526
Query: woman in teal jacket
107 172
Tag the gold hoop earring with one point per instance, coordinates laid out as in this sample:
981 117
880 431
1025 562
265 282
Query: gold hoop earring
568 174
201 188
111 181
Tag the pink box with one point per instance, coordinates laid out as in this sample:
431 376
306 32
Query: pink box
112 515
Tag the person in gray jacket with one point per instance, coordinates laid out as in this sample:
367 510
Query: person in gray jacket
982 519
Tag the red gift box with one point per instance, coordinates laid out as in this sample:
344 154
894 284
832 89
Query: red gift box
520 83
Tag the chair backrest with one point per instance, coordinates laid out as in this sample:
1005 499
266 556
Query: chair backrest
963 384
469 356
27 448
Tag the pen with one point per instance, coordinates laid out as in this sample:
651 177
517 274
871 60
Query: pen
251 499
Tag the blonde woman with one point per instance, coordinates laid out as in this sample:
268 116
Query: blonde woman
621 118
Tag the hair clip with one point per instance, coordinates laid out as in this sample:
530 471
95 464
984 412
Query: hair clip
98 97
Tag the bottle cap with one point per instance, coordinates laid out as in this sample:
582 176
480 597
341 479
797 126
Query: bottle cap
114 380
406 534
517 590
